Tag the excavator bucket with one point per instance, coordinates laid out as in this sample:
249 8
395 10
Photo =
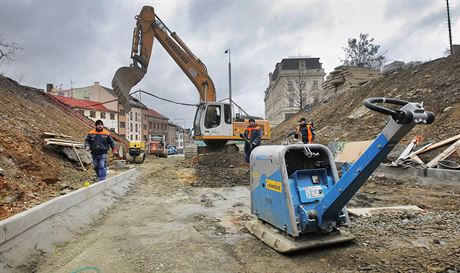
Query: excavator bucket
123 80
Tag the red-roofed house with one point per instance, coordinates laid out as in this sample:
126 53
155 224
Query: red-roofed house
93 110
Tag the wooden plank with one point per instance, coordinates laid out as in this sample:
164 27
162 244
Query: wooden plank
376 210
436 145
55 140
56 134
352 151
65 144
445 154
417 159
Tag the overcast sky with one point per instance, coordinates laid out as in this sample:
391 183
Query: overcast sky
86 41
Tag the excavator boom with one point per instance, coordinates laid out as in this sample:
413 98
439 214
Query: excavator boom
148 27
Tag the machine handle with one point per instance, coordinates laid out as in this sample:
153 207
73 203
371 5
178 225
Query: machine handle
400 116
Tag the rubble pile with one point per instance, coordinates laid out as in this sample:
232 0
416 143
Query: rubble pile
220 169
32 173
345 78
344 118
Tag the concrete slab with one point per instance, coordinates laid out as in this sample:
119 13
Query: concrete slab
377 210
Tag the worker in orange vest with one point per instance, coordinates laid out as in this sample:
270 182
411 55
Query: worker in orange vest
253 137
99 141
306 131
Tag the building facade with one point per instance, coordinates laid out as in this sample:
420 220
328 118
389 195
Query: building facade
93 110
156 123
295 84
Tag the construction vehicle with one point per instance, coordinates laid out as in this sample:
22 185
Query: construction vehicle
157 146
214 122
296 194
136 152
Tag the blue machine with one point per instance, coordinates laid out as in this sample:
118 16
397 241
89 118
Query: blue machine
296 195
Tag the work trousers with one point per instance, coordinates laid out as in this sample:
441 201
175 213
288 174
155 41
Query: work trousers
100 166
247 151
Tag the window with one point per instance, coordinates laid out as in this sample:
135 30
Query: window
291 102
145 127
122 125
145 116
112 116
81 112
123 135
131 137
288 116
92 114
130 115
228 113
131 127
136 129
290 86
135 117
315 85
102 115
150 125
122 112
113 129
212 118
136 138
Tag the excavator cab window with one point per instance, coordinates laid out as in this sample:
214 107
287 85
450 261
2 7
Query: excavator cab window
213 115
228 113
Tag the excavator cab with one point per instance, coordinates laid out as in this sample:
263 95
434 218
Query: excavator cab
213 123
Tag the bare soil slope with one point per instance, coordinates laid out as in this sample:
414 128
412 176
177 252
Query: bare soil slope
344 118
32 172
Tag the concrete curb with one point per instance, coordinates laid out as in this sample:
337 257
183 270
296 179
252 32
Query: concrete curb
441 175
19 223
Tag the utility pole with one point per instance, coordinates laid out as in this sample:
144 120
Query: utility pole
229 75
450 30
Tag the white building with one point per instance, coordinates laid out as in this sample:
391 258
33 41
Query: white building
94 111
294 85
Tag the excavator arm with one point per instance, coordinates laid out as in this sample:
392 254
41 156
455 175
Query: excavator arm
148 27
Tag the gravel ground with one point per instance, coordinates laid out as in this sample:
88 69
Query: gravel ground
167 225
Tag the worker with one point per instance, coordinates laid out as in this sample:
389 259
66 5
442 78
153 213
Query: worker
253 137
306 131
99 141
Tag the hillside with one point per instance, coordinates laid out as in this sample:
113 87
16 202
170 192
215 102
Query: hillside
33 173
344 118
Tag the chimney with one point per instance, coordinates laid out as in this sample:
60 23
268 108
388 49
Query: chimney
49 87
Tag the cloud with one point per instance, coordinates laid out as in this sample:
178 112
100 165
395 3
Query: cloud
86 41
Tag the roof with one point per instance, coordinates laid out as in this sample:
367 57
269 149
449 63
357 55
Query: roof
154 113
293 64
85 104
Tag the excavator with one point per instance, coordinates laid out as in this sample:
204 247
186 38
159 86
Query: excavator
214 121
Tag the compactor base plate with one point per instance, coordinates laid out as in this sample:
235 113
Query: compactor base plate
277 240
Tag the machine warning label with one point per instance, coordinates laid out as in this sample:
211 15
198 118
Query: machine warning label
274 185
314 191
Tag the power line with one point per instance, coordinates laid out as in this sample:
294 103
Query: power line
164 99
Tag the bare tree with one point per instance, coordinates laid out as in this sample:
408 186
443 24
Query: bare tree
8 50
363 51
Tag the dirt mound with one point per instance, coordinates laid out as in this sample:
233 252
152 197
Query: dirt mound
220 169
344 118
33 173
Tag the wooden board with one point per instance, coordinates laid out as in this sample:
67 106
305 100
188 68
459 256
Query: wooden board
445 154
56 134
352 151
436 145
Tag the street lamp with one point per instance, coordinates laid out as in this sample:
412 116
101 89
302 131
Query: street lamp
229 75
